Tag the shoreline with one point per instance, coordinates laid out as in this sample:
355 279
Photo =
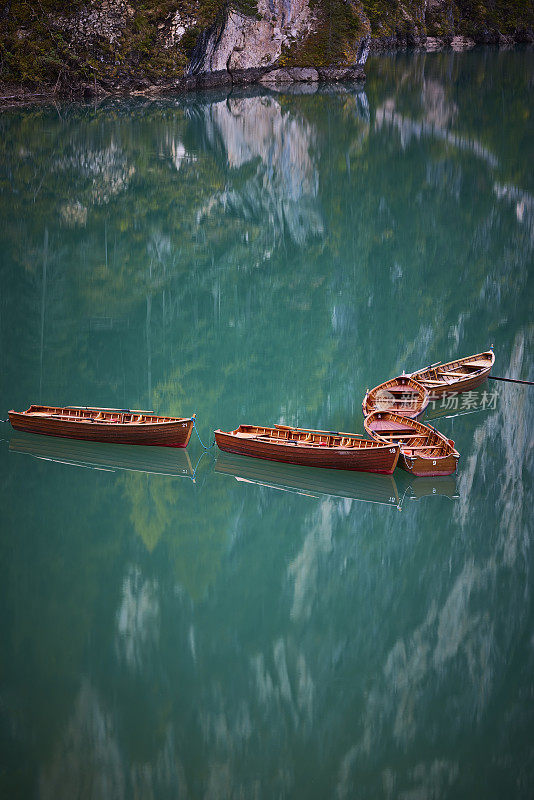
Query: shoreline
274 76
265 77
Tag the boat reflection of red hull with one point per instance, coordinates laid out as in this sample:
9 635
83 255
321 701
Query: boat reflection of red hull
310 481
95 455
417 488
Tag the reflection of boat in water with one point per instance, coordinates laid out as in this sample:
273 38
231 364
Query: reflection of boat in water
313 482
155 460
477 403
413 488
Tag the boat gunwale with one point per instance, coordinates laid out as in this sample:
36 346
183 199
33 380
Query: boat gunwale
150 420
432 373
359 443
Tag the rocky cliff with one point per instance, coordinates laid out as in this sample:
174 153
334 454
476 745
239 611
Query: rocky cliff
97 46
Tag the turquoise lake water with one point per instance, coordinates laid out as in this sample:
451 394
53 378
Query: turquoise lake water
182 625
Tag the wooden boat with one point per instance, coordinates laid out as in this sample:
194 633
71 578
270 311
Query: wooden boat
424 451
402 395
310 448
461 375
170 462
114 426
310 481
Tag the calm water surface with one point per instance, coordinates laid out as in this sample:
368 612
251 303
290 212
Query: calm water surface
181 626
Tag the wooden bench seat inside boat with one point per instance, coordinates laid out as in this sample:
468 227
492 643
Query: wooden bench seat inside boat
288 436
428 452
460 375
386 427
400 403
401 435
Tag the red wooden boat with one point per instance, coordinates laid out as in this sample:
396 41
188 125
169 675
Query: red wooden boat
424 451
401 395
461 375
311 448
115 426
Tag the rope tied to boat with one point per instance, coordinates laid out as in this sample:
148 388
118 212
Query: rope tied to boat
4 420
199 439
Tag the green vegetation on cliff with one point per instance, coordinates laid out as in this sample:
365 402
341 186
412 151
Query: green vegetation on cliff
43 45
113 44
339 27
482 21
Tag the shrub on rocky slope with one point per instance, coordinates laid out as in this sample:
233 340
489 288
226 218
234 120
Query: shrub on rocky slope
97 45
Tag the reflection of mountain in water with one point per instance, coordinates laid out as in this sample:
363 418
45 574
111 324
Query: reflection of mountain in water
416 129
523 203
283 188
107 169
464 635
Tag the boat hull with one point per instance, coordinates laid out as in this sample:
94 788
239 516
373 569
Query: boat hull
436 382
381 459
424 451
161 434
428 467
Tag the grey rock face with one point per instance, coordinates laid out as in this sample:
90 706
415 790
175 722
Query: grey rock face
433 44
363 50
277 76
341 74
238 42
460 43
290 75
